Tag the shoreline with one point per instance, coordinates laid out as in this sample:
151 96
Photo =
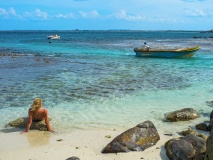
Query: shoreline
84 144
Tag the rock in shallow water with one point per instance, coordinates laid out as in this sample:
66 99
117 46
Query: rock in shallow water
22 123
182 115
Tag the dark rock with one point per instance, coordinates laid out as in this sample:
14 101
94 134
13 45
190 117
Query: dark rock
210 127
73 158
198 143
177 149
139 138
189 147
211 115
188 132
197 37
209 147
201 135
202 126
22 123
191 131
182 115
209 103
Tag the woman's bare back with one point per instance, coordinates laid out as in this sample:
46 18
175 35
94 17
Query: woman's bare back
40 114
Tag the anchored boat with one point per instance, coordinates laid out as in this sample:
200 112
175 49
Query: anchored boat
53 37
166 53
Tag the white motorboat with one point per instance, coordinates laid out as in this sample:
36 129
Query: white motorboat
53 37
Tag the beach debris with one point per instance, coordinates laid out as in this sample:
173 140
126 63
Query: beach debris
138 138
108 136
167 133
59 140
182 115
76 147
188 147
73 158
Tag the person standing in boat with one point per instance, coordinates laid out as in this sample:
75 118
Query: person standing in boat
146 47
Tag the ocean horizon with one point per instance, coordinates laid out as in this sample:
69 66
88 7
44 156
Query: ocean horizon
92 79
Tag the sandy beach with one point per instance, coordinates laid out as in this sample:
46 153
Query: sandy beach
97 91
85 144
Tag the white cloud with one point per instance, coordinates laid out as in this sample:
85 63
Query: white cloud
41 14
35 14
65 16
122 15
3 11
195 13
91 14
27 14
164 19
10 12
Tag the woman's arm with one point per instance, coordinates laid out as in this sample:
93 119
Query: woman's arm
30 118
47 121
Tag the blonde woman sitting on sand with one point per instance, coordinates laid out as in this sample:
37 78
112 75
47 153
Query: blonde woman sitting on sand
37 113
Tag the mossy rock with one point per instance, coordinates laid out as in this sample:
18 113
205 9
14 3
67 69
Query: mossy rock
185 114
22 123
138 138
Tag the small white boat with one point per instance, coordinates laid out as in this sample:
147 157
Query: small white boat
53 37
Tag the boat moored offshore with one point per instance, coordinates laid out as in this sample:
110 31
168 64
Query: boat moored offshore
53 37
166 53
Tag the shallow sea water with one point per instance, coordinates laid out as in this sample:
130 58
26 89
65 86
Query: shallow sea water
93 79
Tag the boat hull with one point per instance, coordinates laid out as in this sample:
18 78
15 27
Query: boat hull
176 53
53 37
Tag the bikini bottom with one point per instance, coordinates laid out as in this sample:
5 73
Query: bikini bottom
37 120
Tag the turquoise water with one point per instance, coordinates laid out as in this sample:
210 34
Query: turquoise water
92 79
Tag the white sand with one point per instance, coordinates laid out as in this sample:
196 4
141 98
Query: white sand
85 144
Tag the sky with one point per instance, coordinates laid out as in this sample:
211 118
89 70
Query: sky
106 14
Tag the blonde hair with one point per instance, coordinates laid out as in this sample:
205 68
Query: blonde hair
36 104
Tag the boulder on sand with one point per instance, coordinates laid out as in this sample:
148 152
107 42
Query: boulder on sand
139 138
190 147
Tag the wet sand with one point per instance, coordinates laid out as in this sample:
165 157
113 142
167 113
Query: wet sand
85 144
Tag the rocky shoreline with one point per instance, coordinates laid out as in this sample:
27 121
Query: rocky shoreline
190 145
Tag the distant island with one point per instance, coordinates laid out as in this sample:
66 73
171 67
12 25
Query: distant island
210 31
